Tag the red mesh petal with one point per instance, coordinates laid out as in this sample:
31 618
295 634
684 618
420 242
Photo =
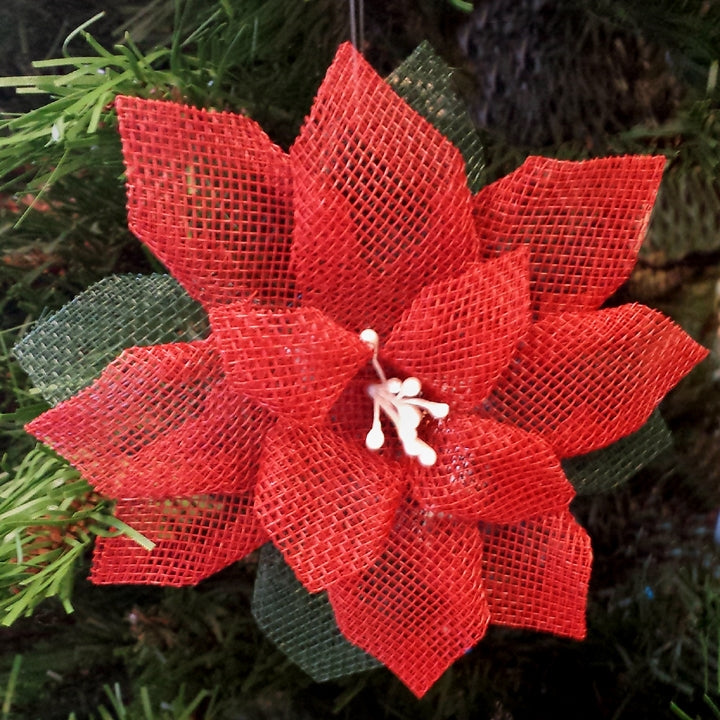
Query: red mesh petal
584 380
294 362
381 201
536 574
327 504
421 606
211 196
160 421
490 471
195 537
352 414
459 334
584 223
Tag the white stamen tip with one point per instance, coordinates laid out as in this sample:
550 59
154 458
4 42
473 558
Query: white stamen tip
441 410
411 387
412 445
394 385
410 418
375 439
399 400
427 456
370 337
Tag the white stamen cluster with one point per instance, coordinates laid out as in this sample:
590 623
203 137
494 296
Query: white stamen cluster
399 400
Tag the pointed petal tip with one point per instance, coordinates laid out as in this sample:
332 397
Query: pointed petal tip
382 206
586 379
159 421
422 605
537 574
211 196
326 530
503 474
584 222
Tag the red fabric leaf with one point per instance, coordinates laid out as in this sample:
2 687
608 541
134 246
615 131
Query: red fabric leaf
459 335
159 421
536 574
584 223
421 606
381 201
490 471
211 196
584 380
294 362
327 504
195 537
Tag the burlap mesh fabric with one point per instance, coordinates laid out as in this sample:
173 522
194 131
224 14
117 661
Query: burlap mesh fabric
537 597
503 474
489 304
333 480
295 362
413 473
607 468
194 538
431 558
575 402
586 79
215 180
67 351
302 624
603 201
159 422
361 197
425 82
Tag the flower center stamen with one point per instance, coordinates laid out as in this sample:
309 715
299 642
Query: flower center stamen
399 400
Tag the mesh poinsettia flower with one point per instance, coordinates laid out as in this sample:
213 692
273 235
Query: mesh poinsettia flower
395 368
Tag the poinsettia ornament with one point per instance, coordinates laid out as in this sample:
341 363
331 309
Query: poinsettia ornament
394 371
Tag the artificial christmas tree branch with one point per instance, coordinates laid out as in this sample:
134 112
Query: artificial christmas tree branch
49 516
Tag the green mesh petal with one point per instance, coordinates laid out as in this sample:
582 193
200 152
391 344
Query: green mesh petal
605 469
302 625
424 81
67 351
686 216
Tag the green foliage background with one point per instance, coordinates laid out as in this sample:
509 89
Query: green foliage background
567 79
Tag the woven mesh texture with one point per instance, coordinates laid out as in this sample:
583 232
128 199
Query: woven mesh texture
302 625
421 606
605 469
425 82
160 421
583 222
686 218
194 538
533 572
327 504
68 350
488 307
584 380
295 362
363 198
210 195
385 234
491 471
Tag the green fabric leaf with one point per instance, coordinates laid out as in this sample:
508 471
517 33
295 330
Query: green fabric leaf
302 625
607 468
425 82
67 351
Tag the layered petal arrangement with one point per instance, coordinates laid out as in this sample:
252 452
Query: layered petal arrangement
394 369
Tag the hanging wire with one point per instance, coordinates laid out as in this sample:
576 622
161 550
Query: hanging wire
357 23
